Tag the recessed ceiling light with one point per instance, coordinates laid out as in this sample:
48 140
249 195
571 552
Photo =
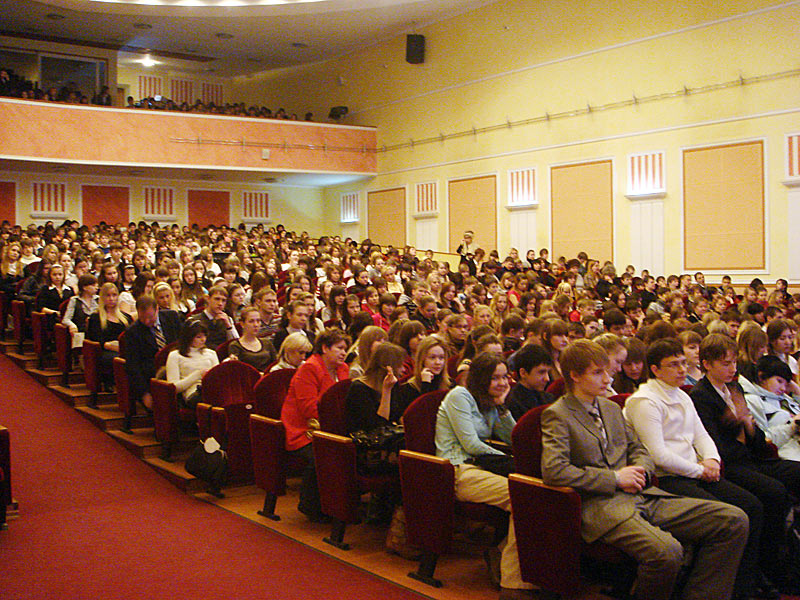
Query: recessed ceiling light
299 45
55 17
224 36
142 26
270 179
148 62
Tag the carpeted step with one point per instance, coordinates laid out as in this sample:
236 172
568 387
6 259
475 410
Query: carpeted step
52 376
78 395
10 345
176 474
142 442
27 360
108 417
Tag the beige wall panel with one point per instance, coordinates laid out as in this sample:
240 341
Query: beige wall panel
724 207
582 210
473 206
386 217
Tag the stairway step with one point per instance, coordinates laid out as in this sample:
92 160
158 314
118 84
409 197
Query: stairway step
140 442
108 417
78 395
28 360
52 376
10 345
176 474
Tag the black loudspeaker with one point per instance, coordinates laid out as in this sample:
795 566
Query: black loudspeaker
415 49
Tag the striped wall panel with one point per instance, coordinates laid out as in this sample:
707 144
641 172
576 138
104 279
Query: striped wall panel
522 187
181 90
646 173
149 86
427 198
793 155
159 202
211 92
49 198
255 205
350 208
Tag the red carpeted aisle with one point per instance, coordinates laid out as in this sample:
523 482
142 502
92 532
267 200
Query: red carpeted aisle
96 523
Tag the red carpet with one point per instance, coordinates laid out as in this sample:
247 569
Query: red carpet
96 523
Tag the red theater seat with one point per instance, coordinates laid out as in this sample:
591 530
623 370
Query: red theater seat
230 425
167 415
127 407
39 334
267 439
230 382
270 392
63 340
19 312
91 369
331 408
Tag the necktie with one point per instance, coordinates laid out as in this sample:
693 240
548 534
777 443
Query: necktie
598 420
161 341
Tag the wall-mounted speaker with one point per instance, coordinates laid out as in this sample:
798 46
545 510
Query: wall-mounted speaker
415 49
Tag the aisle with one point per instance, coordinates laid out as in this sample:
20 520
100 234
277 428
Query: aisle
97 523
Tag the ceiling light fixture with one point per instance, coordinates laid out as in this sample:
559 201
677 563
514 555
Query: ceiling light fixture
224 36
148 62
55 17
299 45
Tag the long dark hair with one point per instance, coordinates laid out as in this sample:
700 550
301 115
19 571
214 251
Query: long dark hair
480 375
188 332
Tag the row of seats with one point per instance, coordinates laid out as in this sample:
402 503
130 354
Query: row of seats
5 475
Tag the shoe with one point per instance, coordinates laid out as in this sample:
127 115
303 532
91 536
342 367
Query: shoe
216 493
492 558
765 589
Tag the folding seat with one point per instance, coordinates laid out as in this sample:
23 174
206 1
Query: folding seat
230 426
127 407
547 520
222 350
267 440
91 369
270 392
167 415
620 399
160 359
428 487
230 382
39 334
331 408
557 388
5 474
19 313
63 340
121 340
340 484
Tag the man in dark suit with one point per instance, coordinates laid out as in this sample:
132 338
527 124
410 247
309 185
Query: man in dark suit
152 330
587 445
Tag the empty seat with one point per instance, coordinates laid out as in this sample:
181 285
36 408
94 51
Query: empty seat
230 426
270 392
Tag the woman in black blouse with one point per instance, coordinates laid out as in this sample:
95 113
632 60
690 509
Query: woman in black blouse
369 400
430 374
105 327
55 291
249 348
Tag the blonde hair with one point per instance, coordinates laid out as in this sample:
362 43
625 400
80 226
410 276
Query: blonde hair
163 285
6 263
101 306
369 335
426 345
294 341
497 316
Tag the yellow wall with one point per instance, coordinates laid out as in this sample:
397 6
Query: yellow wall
515 60
298 208
128 78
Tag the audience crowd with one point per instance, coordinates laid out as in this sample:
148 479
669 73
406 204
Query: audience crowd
18 87
704 453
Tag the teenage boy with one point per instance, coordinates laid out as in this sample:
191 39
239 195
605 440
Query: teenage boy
511 331
720 403
219 324
533 363
587 445
686 459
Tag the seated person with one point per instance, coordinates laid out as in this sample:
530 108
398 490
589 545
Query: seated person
686 459
617 353
533 365
299 412
720 403
249 348
426 313
105 326
511 331
430 374
187 364
152 330
690 340
293 352
295 320
467 417
80 307
587 445
369 400
368 340
775 412
218 324
54 292
267 303
632 374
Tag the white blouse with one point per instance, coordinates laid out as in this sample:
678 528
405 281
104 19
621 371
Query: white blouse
186 372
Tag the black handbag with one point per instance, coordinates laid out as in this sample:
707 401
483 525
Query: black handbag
209 467
499 464
375 449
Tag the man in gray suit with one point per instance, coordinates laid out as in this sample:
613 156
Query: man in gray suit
587 445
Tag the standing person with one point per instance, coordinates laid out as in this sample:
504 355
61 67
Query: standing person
105 327
467 417
153 329
686 459
587 445
250 348
299 413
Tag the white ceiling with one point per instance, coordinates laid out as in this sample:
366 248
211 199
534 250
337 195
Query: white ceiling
263 35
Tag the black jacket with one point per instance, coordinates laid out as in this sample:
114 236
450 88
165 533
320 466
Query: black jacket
141 349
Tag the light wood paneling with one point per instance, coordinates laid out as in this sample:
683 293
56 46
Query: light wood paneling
473 206
386 217
582 210
723 207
